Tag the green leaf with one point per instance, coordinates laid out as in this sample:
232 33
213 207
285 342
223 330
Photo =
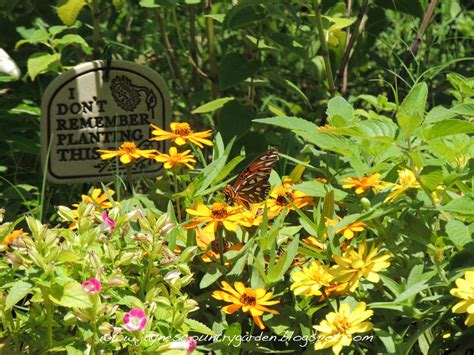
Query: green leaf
37 36
447 128
213 105
69 293
287 85
70 39
284 262
68 10
40 62
464 109
412 110
438 113
318 189
340 112
235 120
16 293
292 123
118 4
234 69
199 327
211 172
210 277
458 233
461 205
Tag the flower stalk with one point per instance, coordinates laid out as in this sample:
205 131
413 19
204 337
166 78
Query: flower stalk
324 47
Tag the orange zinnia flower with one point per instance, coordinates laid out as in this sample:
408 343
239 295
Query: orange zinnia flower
219 213
348 231
362 185
181 134
247 299
128 153
175 158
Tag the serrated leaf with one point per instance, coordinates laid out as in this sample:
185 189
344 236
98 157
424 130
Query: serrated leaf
69 293
68 10
16 293
412 109
71 39
213 105
447 128
340 112
458 233
199 327
40 62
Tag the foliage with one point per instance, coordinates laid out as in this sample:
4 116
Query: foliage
368 226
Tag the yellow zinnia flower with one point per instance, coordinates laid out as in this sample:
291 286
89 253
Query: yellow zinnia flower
309 280
207 241
348 231
219 213
128 153
175 158
99 198
357 263
282 197
14 235
362 185
337 329
247 299
465 291
181 134
406 181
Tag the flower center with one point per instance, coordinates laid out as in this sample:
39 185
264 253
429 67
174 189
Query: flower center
128 147
183 130
248 298
219 211
215 245
135 321
284 199
342 325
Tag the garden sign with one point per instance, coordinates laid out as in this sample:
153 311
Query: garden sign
99 106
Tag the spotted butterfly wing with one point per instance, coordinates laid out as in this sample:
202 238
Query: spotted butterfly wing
252 185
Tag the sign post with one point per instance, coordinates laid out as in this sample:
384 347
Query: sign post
92 107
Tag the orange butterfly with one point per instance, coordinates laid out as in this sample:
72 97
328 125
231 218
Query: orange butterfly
252 185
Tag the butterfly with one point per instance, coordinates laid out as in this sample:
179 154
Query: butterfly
252 185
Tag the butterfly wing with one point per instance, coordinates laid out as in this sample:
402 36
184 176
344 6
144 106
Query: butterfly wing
252 185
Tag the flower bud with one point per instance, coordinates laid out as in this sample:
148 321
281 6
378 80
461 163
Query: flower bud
365 202
13 259
117 282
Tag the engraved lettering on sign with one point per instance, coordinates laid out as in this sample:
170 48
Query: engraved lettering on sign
81 113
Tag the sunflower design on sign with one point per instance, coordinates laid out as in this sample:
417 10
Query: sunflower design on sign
127 95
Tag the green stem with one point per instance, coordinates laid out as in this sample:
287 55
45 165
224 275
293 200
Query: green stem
130 180
176 190
95 299
49 316
95 28
326 298
211 39
324 47
220 241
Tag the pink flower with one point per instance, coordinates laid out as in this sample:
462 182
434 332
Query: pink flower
107 222
135 319
189 344
91 286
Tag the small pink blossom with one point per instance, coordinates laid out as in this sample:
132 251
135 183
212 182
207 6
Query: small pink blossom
135 319
107 222
189 344
91 286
